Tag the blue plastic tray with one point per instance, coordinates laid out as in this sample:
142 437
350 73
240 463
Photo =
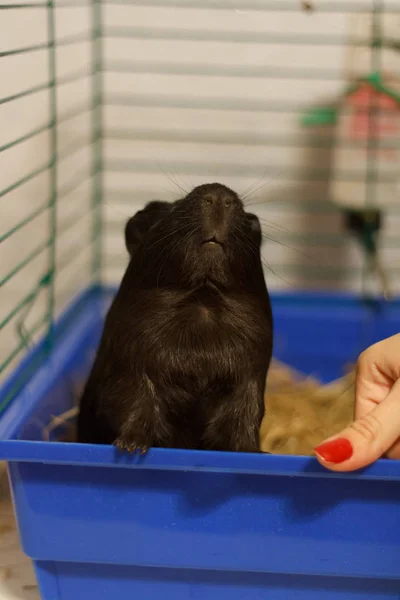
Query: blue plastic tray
203 525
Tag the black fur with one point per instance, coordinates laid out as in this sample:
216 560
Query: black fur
188 339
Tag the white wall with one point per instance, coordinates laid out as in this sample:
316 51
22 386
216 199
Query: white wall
196 92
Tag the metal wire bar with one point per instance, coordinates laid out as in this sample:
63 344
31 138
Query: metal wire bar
197 103
73 4
25 179
31 256
72 113
68 258
81 177
68 4
25 137
77 38
323 239
27 373
21 304
257 5
231 37
67 41
97 119
73 148
24 50
22 346
68 224
198 136
23 5
372 142
232 169
53 173
42 87
371 178
24 93
324 273
228 137
26 221
73 77
209 70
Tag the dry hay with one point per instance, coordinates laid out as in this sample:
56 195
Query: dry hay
66 421
5 573
3 480
300 412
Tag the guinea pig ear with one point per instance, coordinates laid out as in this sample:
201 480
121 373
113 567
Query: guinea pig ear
254 222
255 226
132 235
141 223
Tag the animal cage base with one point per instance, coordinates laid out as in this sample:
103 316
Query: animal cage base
207 525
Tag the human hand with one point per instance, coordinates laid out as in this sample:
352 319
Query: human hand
376 429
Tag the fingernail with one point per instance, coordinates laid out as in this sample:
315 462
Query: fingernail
335 451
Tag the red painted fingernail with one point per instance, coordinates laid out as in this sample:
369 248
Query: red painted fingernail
335 451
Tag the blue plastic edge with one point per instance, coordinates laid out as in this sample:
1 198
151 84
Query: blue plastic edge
164 459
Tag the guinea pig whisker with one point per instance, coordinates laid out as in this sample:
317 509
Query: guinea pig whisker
255 253
254 186
172 249
187 180
265 263
117 210
249 189
167 256
274 225
171 179
268 237
256 201
260 201
268 266
260 184
165 237
165 245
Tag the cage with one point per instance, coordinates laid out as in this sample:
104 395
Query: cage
108 104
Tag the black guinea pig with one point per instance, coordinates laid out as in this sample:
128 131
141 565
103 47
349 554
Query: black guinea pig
187 341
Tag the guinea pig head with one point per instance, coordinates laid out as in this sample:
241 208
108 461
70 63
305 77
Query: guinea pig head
207 236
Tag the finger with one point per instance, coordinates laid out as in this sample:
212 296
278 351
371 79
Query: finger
365 440
394 451
382 358
374 378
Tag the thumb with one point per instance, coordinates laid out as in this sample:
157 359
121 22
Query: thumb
365 440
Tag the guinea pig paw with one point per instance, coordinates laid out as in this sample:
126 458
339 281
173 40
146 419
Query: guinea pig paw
129 446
